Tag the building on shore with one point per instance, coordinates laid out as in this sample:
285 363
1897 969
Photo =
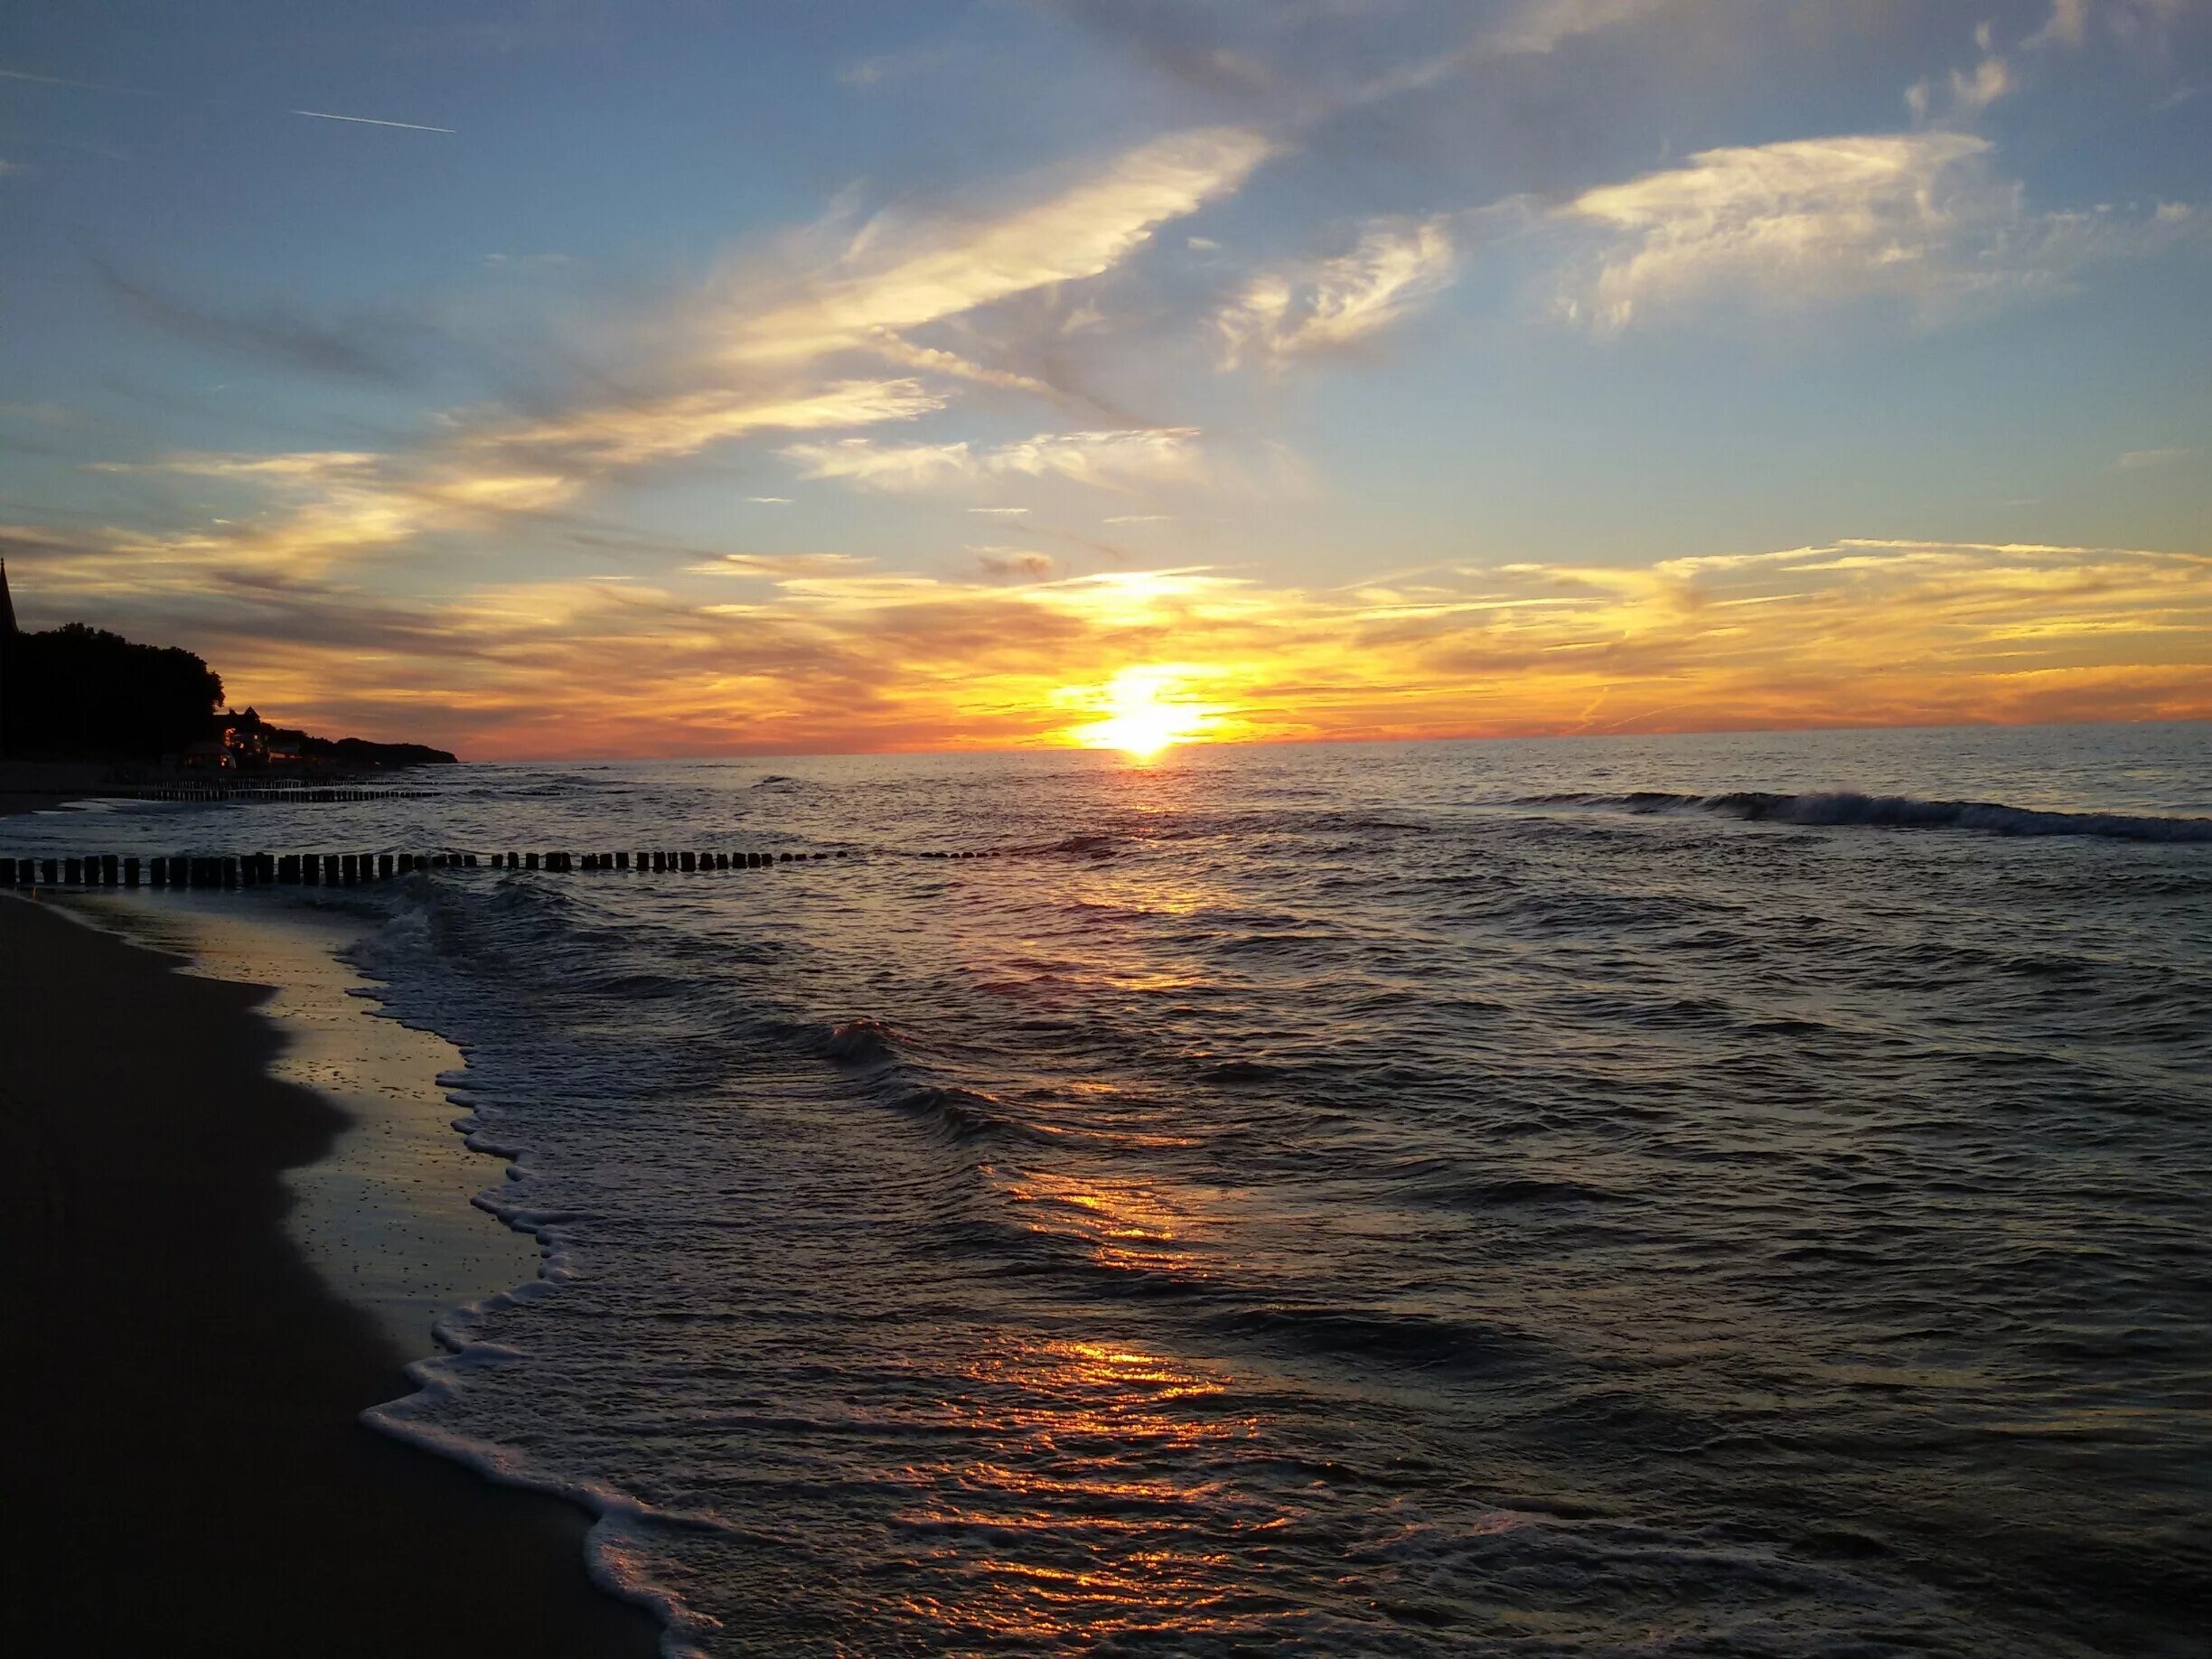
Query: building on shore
7 636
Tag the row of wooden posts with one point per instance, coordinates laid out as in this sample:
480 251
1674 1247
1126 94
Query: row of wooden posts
285 793
257 792
236 870
350 869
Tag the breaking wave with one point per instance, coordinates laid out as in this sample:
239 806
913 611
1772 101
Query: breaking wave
1826 810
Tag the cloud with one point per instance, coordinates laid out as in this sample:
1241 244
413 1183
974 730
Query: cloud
1916 218
1104 460
1991 80
1014 562
1303 63
767 348
375 342
820 652
898 274
2068 25
1323 304
2127 21
631 434
2138 460
778 565
1538 26
329 507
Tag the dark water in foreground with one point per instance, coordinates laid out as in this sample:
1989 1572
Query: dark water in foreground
1428 1199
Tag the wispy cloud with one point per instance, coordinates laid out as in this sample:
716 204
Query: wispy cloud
898 273
1920 218
1105 460
389 343
621 435
2130 22
1314 305
766 349
823 651
1023 563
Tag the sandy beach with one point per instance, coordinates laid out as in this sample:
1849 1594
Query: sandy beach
185 1450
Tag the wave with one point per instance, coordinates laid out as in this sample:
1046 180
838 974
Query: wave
1844 808
863 1041
1100 845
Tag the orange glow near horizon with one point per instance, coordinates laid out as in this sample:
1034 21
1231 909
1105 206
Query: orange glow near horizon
817 654
1144 715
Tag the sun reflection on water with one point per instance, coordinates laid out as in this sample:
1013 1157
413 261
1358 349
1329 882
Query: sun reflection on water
1085 1519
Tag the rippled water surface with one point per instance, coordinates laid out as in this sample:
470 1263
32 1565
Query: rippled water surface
1692 1195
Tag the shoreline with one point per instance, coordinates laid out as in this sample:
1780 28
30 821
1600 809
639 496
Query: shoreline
186 1434
387 1213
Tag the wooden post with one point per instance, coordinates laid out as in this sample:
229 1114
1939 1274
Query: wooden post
111 871
659 862
622 860
7 872
130 872
230 872
470 860
384 867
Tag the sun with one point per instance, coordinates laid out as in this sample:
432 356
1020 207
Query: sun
1143 714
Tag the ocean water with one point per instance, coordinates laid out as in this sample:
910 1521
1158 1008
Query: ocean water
1727 1195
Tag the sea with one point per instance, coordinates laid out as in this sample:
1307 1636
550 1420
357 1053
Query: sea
1717 1195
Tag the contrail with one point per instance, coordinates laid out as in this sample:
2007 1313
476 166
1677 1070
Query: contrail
57 80
213 103
324 115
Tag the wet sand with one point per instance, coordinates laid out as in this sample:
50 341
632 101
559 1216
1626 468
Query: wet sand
185 1462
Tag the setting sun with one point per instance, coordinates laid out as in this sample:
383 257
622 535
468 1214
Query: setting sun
1143 714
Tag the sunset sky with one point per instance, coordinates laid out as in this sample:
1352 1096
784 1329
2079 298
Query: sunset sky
673 377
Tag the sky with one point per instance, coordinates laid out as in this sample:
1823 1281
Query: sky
567 377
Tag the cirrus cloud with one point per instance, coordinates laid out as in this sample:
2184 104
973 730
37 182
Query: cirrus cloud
1103 460
1321 304
1920 218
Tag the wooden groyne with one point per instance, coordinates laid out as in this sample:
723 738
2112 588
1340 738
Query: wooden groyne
288 794
334 869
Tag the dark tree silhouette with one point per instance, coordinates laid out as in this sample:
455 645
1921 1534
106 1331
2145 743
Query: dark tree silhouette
80 692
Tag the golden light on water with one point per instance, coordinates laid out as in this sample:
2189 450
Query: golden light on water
1145 710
